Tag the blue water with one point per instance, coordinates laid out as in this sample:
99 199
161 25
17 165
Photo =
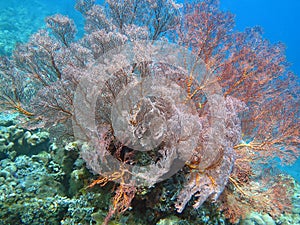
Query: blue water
20 19
280 21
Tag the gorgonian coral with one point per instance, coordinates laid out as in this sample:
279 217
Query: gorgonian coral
154 89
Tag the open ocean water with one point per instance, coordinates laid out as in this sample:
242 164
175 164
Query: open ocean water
52 173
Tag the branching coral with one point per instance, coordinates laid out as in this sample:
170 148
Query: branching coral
150 95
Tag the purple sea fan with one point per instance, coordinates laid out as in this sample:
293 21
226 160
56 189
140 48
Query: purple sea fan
213 160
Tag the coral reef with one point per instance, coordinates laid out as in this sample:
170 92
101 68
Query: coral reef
33 185
50 186
160 113
294 216
255 218
17 141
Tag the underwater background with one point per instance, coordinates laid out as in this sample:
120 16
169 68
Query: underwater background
279 20
43 182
